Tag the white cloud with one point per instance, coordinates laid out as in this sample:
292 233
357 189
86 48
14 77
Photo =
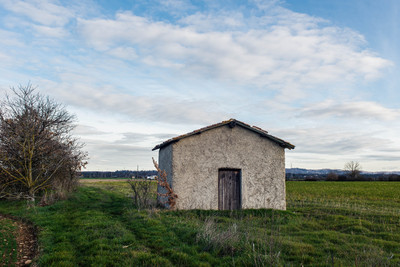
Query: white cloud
328 145
10 39
123 151
85 130
289 52
79 91
350 110
5 58
201 22
174 6
127 53
56 32
45 18
45 12
120 156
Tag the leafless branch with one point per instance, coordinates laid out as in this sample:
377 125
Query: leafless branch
163 182
37 151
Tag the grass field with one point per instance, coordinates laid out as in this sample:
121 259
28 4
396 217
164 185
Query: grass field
8 244
327 223
113 178
119 187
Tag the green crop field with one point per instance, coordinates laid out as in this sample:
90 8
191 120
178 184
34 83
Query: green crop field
118 187
326 223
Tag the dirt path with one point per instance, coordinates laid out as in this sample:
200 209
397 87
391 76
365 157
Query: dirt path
26 240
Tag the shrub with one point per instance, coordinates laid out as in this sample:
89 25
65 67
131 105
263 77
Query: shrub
38 155
142 194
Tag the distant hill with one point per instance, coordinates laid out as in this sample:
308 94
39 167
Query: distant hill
319 172
298 174
291 174
326 171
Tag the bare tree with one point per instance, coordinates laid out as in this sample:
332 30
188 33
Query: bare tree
37 151
353 169
332 176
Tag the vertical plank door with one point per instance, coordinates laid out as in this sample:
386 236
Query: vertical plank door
229 197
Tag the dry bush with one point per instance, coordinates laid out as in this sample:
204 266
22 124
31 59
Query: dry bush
163 182
142 195
59 189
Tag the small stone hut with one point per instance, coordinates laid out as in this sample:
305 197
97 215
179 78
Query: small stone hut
228 165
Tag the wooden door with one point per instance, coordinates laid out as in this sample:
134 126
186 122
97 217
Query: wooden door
229 197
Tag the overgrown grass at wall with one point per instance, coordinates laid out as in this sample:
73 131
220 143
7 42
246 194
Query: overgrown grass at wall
327 223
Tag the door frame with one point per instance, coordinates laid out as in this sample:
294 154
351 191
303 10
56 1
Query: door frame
240 186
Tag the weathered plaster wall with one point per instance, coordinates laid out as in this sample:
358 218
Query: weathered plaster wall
196 161
164 163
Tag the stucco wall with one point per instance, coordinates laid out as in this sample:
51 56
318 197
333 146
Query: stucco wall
196 160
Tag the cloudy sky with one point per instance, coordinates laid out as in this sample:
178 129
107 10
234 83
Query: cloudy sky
321 74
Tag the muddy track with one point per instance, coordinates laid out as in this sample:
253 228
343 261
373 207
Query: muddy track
26 237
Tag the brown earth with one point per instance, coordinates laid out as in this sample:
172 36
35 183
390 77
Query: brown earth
26 240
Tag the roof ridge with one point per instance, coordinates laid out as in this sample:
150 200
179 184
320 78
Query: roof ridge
258 128
229 122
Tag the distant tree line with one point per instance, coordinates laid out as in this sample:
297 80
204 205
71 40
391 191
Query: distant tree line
351 172
117 174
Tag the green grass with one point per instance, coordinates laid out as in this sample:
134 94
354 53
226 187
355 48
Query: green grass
356 222
108 178
364 195
8 244
119 187
327 223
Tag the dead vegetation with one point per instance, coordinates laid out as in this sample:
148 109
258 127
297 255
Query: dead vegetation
169 195
142 194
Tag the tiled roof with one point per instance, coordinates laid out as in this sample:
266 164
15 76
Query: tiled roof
232 123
